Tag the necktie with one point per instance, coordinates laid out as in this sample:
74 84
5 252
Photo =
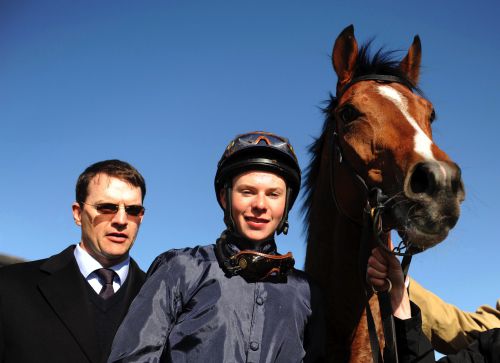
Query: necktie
106 277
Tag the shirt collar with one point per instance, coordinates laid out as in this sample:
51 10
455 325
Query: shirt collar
87 264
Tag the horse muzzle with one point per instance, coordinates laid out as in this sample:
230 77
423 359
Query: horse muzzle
433 192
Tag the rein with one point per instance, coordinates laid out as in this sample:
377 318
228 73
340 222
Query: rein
372 229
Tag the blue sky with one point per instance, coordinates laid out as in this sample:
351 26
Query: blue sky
166 84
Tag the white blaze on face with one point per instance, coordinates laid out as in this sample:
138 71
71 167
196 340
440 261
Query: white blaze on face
422 141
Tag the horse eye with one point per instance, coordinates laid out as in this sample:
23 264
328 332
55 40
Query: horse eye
348 114
433 116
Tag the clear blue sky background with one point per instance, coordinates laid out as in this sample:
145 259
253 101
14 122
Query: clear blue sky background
166 84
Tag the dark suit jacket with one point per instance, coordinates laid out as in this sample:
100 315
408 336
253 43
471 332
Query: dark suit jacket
45 312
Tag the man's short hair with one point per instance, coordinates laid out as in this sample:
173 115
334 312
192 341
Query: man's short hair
113 168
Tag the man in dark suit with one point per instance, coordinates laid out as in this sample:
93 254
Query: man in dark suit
66 308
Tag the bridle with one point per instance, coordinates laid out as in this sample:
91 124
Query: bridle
372 228
382 78
376 201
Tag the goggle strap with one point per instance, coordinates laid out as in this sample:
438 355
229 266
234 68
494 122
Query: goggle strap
262 254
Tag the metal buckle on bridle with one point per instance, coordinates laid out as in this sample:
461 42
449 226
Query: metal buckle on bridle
404 247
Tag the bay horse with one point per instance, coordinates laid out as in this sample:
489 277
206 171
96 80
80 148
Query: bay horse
377 134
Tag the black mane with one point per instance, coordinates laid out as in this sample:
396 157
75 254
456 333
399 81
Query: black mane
382 63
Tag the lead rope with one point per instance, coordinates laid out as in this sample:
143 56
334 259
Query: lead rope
389 354
372 217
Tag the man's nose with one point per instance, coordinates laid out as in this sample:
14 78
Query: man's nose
120 216
259 201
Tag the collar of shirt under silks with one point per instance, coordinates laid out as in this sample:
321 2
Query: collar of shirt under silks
254 262
88 265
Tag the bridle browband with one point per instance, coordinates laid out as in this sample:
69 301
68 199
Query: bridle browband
371 224
375 77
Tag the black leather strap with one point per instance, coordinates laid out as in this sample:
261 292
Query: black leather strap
390 350
374 343
376 77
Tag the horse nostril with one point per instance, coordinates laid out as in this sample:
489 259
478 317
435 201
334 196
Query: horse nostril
457 184
422 180
430 178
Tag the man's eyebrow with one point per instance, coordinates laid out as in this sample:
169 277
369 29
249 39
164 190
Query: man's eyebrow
245 185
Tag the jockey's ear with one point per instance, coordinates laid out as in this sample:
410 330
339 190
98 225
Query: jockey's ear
345 53
410 65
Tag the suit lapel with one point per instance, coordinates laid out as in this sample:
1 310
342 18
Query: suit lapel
65 290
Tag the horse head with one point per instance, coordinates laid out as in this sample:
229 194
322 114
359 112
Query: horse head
376 149
384 130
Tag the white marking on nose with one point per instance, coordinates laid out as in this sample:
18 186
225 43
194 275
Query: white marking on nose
443 170
422 141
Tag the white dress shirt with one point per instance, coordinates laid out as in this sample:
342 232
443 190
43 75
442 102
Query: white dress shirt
87 265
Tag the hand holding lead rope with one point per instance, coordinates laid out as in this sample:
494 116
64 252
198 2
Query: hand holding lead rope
384 273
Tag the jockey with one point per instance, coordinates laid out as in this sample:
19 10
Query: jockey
237 300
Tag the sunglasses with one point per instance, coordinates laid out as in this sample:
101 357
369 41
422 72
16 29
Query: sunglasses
111 208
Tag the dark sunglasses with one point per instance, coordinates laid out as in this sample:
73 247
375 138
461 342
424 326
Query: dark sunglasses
111 208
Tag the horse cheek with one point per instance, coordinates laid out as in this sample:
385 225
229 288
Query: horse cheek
360 144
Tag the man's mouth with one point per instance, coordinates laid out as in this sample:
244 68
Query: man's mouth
117 237
255 221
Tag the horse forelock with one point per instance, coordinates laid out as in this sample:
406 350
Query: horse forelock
382 62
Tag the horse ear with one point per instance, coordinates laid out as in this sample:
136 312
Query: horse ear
410 65
345 53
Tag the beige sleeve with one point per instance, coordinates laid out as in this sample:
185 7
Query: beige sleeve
448 328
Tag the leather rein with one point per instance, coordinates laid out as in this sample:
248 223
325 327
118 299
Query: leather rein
372 229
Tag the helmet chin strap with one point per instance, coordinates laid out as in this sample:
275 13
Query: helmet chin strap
228 212
283 226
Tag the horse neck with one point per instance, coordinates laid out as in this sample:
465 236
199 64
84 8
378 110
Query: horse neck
334 237
333 251
333 260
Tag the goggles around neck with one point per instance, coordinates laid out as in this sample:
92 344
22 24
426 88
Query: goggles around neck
258 266
250 264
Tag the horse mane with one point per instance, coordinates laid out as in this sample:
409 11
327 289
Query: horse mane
383 62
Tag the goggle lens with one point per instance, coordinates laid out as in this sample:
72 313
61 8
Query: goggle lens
257 138
269 139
